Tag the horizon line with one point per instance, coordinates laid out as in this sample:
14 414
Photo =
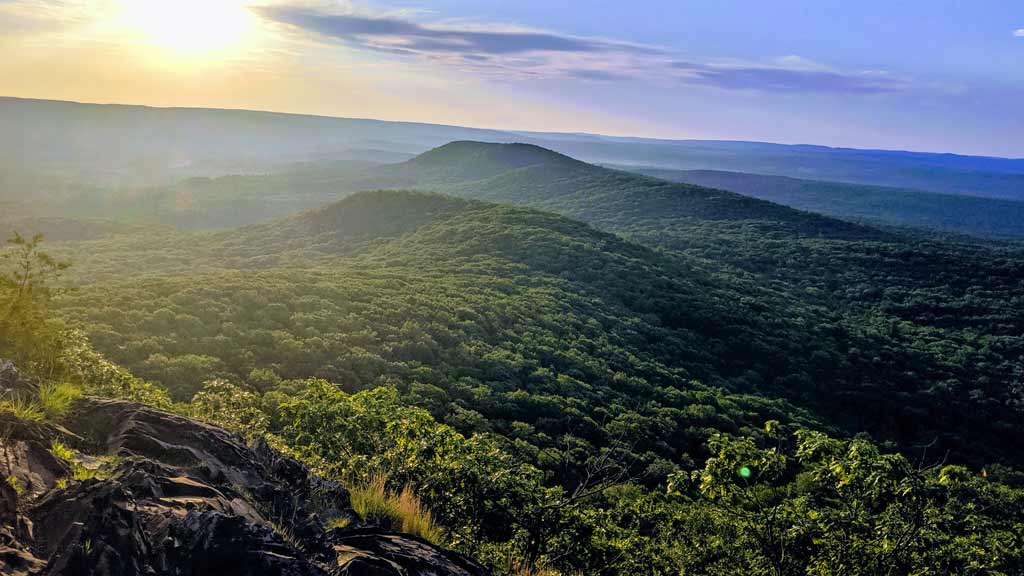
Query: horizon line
514 132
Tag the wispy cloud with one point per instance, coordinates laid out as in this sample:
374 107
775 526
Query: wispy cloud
401 34
783 78
522 53
1019 33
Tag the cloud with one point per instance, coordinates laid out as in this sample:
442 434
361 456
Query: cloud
509 53
801 78
1019 33
399 34
596 74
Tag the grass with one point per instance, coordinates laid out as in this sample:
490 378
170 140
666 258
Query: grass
337 523
56 399
53 401
22 407
79 471
416 517
403 511
371 501
62 452
13 483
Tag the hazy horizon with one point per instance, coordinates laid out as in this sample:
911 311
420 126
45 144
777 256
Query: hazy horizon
923 78
512 130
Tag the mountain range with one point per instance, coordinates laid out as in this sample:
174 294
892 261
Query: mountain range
136 145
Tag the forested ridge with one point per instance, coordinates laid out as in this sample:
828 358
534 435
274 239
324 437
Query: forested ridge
580 369
953 213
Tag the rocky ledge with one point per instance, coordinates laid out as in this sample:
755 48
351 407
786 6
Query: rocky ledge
160 494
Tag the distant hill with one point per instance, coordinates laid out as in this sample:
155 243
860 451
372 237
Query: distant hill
896 206
532 176
609 199
515 173
143 146
945 173
56 229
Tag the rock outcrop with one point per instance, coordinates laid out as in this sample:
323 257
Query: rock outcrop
155 493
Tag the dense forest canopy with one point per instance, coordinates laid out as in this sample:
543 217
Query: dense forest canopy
952 213
578 369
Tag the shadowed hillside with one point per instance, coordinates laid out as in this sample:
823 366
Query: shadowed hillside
984 217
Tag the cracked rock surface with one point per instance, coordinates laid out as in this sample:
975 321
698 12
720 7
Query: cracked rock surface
181 497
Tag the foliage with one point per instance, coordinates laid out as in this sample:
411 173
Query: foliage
469 485
26 332
819 505
62 359
231 407
492 315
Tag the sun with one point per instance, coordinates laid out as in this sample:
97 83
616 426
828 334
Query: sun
189 26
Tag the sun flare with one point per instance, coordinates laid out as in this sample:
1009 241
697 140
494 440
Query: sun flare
189 26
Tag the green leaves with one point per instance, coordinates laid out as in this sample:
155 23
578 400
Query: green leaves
836 506
27 333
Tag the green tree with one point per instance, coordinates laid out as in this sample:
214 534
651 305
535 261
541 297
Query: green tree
811 504
27 334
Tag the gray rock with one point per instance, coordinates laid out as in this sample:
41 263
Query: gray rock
187 498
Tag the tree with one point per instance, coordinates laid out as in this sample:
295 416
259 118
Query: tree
811 504
27 334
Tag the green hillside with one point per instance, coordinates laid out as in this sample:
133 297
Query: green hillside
575 377
985 217
676 313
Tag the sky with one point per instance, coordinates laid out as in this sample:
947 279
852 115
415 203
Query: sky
930 75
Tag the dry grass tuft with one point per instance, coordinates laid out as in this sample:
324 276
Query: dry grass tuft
404 511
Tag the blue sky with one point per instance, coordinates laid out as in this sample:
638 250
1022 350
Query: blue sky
936 75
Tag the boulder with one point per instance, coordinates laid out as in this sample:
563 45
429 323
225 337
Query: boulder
175 496
389 554
13 382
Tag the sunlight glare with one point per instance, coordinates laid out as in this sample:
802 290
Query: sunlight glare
190 26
